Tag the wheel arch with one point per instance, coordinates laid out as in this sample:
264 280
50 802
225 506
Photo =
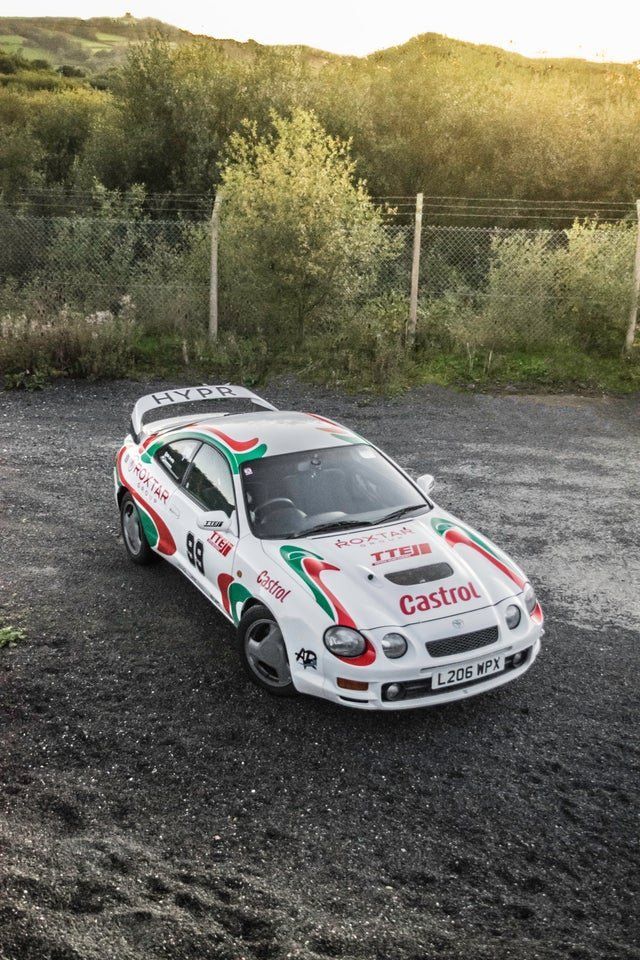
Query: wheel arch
251 602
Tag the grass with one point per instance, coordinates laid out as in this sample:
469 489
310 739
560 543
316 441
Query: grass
110 38
10 636
559 370
103 346
10 42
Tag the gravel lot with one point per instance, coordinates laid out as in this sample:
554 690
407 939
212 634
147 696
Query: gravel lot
157 805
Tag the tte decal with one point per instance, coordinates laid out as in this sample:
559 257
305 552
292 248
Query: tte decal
399 553
442 597
219 543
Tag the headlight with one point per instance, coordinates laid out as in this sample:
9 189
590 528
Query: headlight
530 599
512 616
394 645
344 642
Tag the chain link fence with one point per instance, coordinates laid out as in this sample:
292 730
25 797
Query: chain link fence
480 286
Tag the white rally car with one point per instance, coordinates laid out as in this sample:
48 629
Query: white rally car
345 580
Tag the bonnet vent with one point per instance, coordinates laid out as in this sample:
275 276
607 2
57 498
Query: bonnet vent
432 571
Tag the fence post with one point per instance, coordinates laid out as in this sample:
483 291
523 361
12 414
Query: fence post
415 273
213 289
633 315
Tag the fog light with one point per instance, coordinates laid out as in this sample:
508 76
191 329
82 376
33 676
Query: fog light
518 658
394 690
352 684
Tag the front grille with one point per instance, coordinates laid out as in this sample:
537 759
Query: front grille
431 571
449 646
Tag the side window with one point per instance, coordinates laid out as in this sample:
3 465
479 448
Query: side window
209 481
175 457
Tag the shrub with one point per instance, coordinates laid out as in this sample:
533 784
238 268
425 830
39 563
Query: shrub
594 284
299 233
67 343
518 308
361 345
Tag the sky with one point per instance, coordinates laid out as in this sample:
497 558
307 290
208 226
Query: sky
559 28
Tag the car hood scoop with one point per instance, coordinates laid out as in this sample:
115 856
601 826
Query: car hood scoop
423 574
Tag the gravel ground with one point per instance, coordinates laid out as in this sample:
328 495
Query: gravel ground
157 805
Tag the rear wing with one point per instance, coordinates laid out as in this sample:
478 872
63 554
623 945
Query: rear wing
166 398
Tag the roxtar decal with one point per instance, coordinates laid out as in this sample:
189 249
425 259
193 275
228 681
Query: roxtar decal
155 529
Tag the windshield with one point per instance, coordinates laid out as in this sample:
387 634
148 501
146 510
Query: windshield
315 491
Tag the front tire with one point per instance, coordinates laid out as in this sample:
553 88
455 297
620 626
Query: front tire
263 653
133 535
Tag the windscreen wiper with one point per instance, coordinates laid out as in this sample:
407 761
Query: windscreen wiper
402 511
336 525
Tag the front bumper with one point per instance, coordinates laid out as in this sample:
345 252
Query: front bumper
374 697
415 671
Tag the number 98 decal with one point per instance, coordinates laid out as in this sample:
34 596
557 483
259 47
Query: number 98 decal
195 552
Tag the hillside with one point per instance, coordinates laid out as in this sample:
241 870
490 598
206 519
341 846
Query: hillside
99 43
84 101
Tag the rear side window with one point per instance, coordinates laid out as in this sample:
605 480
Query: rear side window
209 481
175 457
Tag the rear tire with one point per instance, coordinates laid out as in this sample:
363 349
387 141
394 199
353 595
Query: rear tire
133 535
263 653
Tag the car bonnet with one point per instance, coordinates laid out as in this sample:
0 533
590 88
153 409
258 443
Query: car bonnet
411 571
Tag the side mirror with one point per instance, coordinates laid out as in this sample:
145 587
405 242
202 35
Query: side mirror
214 520
426 483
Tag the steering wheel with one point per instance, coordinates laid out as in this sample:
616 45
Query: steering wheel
280 502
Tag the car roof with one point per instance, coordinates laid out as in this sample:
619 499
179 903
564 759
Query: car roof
281 431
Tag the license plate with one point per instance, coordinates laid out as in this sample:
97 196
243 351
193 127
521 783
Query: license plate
465 672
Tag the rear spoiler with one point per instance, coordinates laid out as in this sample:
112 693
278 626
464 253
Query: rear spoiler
166 398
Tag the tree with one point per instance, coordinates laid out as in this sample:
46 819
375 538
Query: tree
299 233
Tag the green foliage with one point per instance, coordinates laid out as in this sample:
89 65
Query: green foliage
437 114
300 234
10 636
593 293
559 369
361 347
540 290
34 346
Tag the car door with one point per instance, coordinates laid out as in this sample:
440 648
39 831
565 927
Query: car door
206 554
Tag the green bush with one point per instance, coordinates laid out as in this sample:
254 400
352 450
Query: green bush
361 345
66 344
299 232
594 285
518 304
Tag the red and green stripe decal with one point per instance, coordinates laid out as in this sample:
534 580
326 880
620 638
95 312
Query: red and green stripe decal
235 451
155 529
234 595
457 535
310 567
335 430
